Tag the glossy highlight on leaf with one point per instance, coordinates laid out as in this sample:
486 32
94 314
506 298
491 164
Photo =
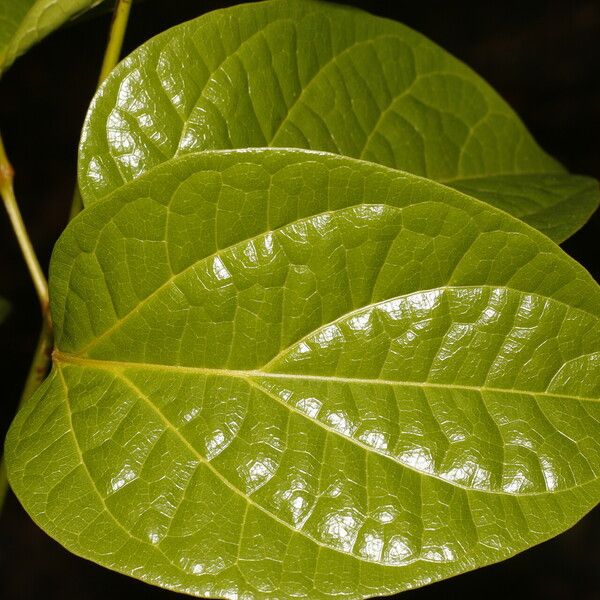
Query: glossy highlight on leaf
24 23
324 77
283 373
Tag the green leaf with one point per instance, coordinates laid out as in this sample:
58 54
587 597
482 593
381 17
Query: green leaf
290 374
24 23
556 204
324 77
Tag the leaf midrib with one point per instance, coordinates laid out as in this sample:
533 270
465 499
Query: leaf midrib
252 374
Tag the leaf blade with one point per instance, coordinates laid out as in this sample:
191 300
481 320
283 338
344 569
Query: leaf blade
26 22
219 389
554 204
364 87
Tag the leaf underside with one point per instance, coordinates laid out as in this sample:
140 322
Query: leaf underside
289 374
310 75
24 23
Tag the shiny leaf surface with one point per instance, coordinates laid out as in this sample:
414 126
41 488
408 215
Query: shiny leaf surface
311 75
288 374
24 23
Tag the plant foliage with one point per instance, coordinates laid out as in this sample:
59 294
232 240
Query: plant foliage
24 23
312 75
288 374
308 343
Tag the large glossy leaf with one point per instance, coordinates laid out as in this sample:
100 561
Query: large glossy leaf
311 75
23 23
282 374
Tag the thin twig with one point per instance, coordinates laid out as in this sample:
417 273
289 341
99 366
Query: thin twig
118 26
112 55
41 358
12 208
40 362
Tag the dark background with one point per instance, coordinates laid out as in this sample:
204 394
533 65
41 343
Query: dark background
543 57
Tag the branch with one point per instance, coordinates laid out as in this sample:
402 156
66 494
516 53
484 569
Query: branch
112 54
111 58
41 357
12 208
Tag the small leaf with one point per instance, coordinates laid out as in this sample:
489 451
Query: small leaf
289 374
324 77
24 23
